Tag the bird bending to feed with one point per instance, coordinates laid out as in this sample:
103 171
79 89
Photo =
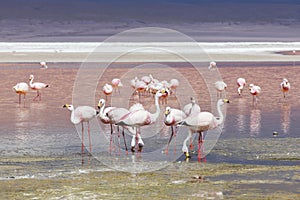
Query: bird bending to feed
107 90
285 86
172 117
112 115
80 115
191 108
200 122
37 86
138 117
21 88
220 87
254 91
241 82
43 65
116 84
212 65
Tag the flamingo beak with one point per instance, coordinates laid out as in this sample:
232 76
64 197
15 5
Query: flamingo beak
65 106
226 101
99 105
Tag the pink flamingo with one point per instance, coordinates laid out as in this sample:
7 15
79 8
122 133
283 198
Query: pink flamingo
43 65
172 117
285 86
80 115
116 84
201 122
254 91
140 117
241 82
21 88
37 86
107 90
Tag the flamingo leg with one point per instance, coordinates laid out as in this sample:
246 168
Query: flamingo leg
19 98
89 134
125 141
82 139
118 140
172 133
111 138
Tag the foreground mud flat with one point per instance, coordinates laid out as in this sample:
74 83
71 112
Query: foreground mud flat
67 178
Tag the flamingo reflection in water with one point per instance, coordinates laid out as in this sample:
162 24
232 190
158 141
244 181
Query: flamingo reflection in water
255 122
285 117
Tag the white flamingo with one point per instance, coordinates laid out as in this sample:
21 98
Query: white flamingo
107 90
174 83
285 86
241 82
140 117
201 122
116 84
212 65
220 87
37 86
112 115
191 108
21 88
172 117
254 91
43 65
80 115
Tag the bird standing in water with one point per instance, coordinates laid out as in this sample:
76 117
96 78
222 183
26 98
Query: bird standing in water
285 86
21 88
37 86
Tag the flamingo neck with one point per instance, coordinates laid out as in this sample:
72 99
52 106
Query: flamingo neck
221 117
240 88
73 118
155 115
31 82
103 117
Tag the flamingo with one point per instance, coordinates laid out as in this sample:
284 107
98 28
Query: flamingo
138 117
43 65
254 90
172 117
37 86
191 108
174 83
285 86
21 88
116 84
80 115
200 122
212 65
241 82
112 115
107 90
220 87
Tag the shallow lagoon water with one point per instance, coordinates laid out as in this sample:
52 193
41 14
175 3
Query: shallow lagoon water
38 142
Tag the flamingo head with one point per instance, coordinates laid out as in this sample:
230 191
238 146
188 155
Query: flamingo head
251 86
101 103
223 101
31 77
167 111
69 107
285 80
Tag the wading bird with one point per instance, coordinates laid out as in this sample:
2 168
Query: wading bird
116 84
172 117
241 82
200 122
80 115
138 117
220 87
254 91
212 65
285 86
43 65
191 108
21 88
37 86
107 90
